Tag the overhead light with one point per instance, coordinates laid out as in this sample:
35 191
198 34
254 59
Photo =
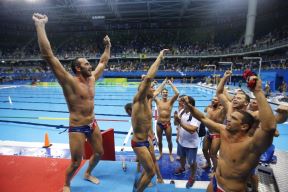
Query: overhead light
98 17
34 1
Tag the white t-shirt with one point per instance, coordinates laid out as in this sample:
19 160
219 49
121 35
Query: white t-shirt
186 139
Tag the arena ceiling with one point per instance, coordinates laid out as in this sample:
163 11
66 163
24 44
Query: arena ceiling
132 13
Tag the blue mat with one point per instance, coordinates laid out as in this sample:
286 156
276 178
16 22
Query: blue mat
166 187
167 168
113 178
111 175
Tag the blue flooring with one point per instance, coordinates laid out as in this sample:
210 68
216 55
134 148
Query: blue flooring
167 169
111 176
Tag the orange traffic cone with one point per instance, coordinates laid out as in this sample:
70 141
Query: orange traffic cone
46 141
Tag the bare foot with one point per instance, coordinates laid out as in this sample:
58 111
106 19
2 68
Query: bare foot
92 179
206 166
158 157
150 184
160 180
171 158
66 189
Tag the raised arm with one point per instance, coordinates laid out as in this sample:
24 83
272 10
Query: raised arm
159 89
154 67
228 96
263 136
146 83
221 95
62 75
189 128
103 59
282 114
281 117
211 125
176 92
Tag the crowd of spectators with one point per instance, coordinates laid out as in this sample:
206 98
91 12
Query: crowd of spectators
134 43
132 50
29 70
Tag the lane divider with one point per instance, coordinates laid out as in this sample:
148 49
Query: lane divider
57 126
55 118
54 111
54 126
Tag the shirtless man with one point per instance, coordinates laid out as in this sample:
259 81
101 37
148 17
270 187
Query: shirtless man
267 89
239 152
142 123
79 93
239 102
152 139
164 107
216 113
281 116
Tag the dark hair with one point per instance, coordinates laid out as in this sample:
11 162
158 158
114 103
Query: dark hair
182 96
164 89
247 98
75 63
128 107
241 91
247 118
191 100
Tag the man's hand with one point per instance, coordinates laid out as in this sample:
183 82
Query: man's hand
176 118
106 41
258 86
39 18
161 54
169 82
154 82
165 81
227 73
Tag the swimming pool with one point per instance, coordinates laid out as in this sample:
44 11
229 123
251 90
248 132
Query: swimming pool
27 112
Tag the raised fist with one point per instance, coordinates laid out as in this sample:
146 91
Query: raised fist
39 18
161 55
227 73
106 41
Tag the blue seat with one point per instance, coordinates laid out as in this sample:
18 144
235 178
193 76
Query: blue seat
268 156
